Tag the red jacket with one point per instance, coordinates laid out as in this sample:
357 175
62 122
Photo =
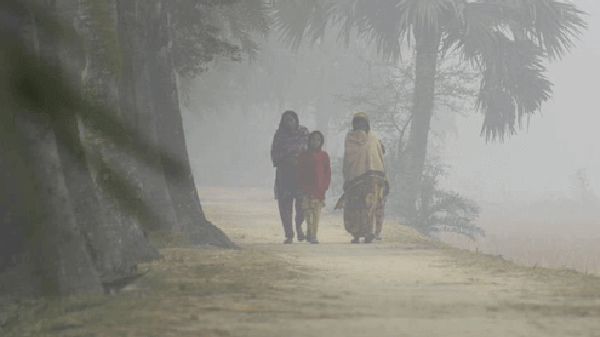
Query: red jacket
314 172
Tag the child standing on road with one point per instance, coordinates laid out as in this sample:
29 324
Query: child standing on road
314 176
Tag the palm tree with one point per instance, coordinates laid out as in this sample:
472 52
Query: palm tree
506 41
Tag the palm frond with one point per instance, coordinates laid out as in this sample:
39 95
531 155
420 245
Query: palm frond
503 42
474 32
550 24
244 19
297 20
384 24
513 85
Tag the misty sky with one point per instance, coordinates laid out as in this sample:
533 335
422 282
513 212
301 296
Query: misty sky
565 137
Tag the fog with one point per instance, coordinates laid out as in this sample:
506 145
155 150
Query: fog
527 177
541 160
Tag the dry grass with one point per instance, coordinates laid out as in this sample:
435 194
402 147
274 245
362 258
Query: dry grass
172 295
190 292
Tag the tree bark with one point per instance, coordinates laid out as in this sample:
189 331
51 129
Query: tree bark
40 236
114 239
137 103
25 253
72 267
53 249
180 183
413 161
52 252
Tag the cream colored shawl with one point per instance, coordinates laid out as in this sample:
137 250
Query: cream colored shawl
363 153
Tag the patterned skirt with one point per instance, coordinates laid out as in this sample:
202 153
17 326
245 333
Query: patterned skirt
361 203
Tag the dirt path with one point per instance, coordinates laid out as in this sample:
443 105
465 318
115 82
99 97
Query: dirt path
403 286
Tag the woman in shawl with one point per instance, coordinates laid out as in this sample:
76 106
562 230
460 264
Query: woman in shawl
364 179
290 139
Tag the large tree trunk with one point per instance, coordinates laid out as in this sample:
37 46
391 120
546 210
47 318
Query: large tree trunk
413 160
138 105
72 267
20 217
180 183
114 238
48 253
51 256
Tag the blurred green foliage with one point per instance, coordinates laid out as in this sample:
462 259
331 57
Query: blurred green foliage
34 82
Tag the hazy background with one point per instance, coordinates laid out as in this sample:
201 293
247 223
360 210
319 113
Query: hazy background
527 185
542 158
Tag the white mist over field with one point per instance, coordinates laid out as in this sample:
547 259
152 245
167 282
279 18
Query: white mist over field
528 185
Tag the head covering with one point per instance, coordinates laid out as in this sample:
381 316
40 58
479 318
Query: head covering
288 142
291 113
364 116
363 155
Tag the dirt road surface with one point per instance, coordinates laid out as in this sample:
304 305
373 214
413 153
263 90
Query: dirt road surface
403 286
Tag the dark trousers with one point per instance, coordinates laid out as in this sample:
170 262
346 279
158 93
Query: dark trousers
286 212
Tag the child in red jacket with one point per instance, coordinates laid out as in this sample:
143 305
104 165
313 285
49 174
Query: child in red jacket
314 175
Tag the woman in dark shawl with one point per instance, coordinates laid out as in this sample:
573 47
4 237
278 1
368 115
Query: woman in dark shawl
290 139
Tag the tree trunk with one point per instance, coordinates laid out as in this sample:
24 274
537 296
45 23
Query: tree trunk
54 246
47 253
413 161
69 258
137 103
20 217
49 256
180 183
114 238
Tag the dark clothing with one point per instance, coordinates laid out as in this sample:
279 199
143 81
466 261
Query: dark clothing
286 213
286 183
361 204
288 144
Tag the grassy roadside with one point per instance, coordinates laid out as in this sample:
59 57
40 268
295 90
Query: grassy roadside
186 291
173 294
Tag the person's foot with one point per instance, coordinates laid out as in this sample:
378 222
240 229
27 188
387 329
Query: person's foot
378 236
300 236
288 240
314 240
369 238
355 240
308 236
